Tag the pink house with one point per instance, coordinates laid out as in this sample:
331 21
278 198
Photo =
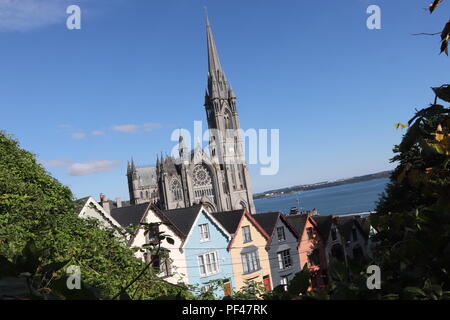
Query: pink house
311 247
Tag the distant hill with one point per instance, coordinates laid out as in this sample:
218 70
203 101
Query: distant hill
320 185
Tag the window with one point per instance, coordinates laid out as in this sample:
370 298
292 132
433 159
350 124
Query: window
333 234
204 232
355 235
176 190
280 233
250 262
284 283
310 233
208 264
153 235
284 259
247 235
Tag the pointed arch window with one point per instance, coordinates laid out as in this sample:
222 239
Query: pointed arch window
228 120
176 190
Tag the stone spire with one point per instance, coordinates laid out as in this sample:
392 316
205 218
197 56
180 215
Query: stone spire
182 150
217 81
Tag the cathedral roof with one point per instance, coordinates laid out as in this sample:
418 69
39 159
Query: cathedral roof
146 176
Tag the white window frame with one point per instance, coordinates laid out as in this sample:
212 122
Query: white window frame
204 234
278 234
281 259
250 262
284 282
210 265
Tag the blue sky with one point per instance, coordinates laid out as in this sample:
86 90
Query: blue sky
86 101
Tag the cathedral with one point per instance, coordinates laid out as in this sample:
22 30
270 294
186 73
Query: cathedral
218 179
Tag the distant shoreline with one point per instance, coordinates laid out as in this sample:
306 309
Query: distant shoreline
321 185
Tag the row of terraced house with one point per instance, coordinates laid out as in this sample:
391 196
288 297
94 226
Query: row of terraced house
236 246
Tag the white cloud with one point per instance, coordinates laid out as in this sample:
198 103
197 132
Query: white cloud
57 163
91 167
78 135
133 128
149 126
23 15
97 133
127 128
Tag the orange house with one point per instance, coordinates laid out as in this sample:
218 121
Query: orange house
311 247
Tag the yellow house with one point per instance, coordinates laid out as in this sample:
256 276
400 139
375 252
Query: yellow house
249 257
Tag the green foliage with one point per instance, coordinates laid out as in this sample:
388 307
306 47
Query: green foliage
38 221
413 216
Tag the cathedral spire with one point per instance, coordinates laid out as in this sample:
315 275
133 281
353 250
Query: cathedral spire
217 81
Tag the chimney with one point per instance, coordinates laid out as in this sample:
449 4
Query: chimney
105 203
119 202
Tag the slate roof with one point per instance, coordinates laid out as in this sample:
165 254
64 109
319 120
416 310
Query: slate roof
324 225
267 220
79 204
182 218
229 219
130 214
298 222
345 225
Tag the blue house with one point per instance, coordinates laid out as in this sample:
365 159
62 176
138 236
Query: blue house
204 246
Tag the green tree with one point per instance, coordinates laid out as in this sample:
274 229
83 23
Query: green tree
36 211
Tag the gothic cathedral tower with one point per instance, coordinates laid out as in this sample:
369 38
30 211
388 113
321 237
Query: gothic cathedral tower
225 135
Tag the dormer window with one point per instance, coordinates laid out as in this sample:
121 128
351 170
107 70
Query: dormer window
280 233
246 233
204 232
